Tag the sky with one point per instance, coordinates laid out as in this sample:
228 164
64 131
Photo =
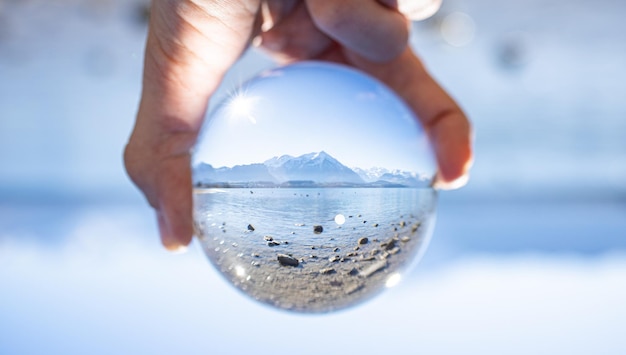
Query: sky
313 107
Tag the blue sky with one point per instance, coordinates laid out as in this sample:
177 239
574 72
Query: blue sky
312 107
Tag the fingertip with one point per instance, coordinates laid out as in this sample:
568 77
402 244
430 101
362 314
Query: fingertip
441 184
170 241
420 9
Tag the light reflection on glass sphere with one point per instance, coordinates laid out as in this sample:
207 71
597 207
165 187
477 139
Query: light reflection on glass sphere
313 187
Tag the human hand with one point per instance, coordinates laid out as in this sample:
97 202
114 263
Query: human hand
192 43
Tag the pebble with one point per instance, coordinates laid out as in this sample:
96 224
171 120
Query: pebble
415 227
317 229
353 272
375 224
272 243
327 271
405 239
402 224
373 268
255 263
389 244
250 228
334 258
287 260
353 288
351 254
336 250
268 238
374 252
394 250
363 240
256 255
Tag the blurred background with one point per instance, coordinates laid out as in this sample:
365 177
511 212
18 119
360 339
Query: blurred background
530 257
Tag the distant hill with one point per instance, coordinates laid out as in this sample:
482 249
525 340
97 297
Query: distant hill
312 169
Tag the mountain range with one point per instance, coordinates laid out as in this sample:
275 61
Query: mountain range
309 170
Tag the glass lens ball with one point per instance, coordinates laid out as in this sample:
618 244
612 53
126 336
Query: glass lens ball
312 187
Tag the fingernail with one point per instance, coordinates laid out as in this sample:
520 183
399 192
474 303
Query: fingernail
176 248
451 185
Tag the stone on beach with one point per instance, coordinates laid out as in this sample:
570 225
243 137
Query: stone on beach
250 228
363 240
373 268
287 260
389 244
327 271
317 229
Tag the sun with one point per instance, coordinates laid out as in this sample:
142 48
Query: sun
242 106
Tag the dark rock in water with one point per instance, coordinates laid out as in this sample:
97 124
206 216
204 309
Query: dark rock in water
317 229
364 221
353 272
402 224
389 244
272 243
334 258
256 255
285 242
363 240
268 238
375 224
336 250
351 254
287 260
250 228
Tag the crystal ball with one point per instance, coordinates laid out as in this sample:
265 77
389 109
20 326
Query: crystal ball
312 187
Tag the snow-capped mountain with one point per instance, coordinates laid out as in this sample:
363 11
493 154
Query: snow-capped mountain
318 168
377 174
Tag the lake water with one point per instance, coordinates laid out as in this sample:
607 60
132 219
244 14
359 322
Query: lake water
313 249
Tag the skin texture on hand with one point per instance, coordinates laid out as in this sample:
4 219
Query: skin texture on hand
192 43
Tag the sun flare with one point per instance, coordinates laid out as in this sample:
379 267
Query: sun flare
242 106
